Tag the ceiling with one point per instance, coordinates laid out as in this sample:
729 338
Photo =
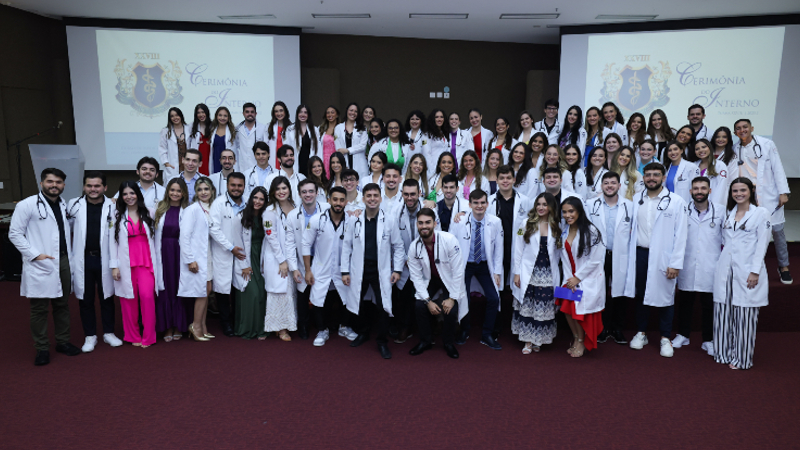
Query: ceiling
392 18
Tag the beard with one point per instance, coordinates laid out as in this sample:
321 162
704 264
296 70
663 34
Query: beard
700 198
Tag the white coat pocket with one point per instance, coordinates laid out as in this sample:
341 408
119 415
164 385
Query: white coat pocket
42 267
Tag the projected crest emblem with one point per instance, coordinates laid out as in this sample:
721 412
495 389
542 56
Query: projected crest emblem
149 90
640 89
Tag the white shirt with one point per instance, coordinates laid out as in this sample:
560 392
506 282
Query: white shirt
749 169
646 218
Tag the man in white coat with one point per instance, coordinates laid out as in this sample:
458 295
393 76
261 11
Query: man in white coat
191 163
703 249
696 115
248 132
372 258
322 249
286 158
552 184
658 242
760 162
611 214
550 124
481 237
90 217
298 220
223 213
227 159
257 175
147 170
40 231
434 263
452 206
392 197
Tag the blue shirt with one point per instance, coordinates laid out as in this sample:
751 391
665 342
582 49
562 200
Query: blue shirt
641 165
190 184
474 224
611 222
673 170
262 175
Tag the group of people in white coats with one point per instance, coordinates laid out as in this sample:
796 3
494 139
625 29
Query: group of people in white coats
392 223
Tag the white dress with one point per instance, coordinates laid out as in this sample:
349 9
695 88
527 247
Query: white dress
281 312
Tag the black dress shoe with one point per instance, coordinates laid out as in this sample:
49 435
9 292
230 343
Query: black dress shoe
451 351
603 336
42 358
491 343
302 333
385 353
359 340
419 348
618 337
68 349
227 330
462 337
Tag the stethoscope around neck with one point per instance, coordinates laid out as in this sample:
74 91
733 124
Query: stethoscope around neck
359 224
713 213
598 203
759 153
659 207
73 210
421 246
327 218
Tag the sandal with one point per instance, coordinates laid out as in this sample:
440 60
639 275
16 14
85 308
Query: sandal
168 338
262 338
137 344
528 349
577 353
572 344
284 336
177 337
731 366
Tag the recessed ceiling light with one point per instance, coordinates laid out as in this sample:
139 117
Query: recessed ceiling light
529 16
252 16
438 16
624 17
341 16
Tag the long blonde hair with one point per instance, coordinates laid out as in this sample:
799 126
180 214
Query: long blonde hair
423 176
163 204
562 161
207 181
630 170
532 223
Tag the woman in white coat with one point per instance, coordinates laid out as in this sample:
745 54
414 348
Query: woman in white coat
741 286
248 276
437 142
172 145
277 131
415 130
222 135
593 173
280 261
536 256
396 146
134 265
614 122
458 140
715 170
524 172
480 135
630 180
501 139
470 175
583 256
572 156
376 164
573 131
680 172
351 139
195 262
554 157
171 313
200 139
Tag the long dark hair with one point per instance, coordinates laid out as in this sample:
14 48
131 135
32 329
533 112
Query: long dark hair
309 126
746 181
169 122
338 156
250 215
207 122
666 130
589 168
422 125
508 138
403 137
321 182
575 130
527 162
635 140
359 116
618 117
574 168
433 130
141 209
439 162
284 123
590 235
273 187
688 149
727 155
666 161
372 140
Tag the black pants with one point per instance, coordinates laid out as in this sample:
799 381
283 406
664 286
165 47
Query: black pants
403 305
369 312
424 315
614 313
666 313
686 299
332 313
303 311
227 308
93 286
486 280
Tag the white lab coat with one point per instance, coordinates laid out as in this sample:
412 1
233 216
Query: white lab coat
251 180
296 220
159 274
168 149
230 144
530 185
294 180
577 182
618 128
383 144
589 268
391 204
580 142
242 237
743 254
771 176
401 215
683 179
34 231
193 239
552 137
720 184
622 236
703 247
492 143
485 187
221 231
359 145
244 142
326 267
667 249
463 143
595 188
368 179
391 257
525 259
486 136
449 261
279 247
220 182
638 185
151 196
432 186
704 133
492 234
432 148
291 136
273 142
119 253
459 205
77 222
522 205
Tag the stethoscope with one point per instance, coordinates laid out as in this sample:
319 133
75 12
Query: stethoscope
39 201
599 177
417 138
598 203
220 184
255 129
400 216
420 245
228 203
250 182
713 213
659 207
73 210
497 204
459 139
759 153
741 227
541 126
301 209
155 189
359 225
326 217
681 177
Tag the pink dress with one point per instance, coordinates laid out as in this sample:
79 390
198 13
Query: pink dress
328 148
138 246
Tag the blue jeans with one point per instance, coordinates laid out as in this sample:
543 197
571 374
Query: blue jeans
665 313
486 280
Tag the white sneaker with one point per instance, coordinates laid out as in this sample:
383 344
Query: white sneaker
708 346
666 348
322 336
89 344
638 341
679 341
112 340
347 332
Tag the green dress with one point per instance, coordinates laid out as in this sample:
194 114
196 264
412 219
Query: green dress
251 304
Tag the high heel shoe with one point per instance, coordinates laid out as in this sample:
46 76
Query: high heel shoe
208 335
195 337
